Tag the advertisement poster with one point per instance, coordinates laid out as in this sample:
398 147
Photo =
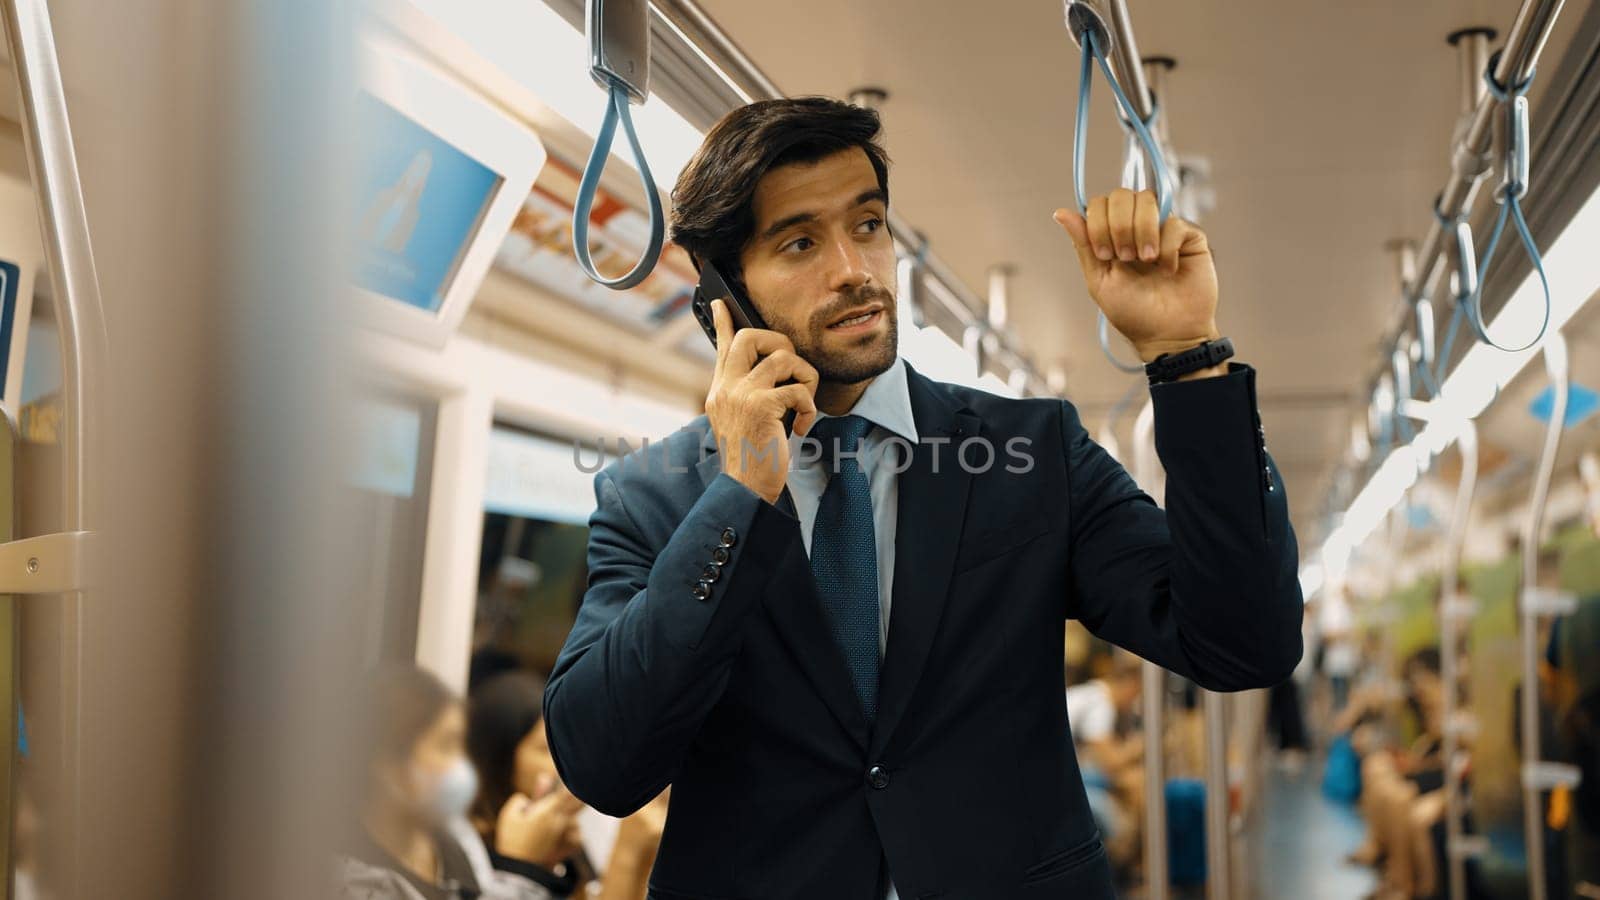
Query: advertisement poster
420 201
539 250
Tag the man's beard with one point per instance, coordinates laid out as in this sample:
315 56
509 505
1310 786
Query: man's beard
855 364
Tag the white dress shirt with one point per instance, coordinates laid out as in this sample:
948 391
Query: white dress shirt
886 403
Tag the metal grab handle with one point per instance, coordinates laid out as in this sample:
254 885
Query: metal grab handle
64 228
75 295
1555 363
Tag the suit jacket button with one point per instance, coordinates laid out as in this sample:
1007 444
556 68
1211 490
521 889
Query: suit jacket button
702 591
720 556
878 777
710 574
729 537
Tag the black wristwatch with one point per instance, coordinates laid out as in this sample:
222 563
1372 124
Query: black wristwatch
1171 366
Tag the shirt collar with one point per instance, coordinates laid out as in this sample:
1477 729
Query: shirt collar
886 403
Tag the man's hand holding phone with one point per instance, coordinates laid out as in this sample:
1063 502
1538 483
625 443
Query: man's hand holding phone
749 398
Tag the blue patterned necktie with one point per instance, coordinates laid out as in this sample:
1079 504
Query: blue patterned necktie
844 554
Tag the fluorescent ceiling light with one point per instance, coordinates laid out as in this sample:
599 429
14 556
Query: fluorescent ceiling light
538 49
1572 263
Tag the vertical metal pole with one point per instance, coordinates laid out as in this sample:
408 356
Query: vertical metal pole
75 294
1218 834
908 296
1405 261
1155 73
1154 701
999 308
1125 59
1555 363
972 344
1153 696
1452 622
1472 59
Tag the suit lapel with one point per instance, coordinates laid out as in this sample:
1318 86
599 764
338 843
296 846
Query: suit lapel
932 507
930 513
801 621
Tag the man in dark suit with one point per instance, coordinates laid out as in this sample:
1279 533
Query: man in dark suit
845 657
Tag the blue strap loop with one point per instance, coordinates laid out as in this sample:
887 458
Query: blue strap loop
616 109
1092 54
1509 196
1504 93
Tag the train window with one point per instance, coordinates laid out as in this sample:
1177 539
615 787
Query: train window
532 570
392 475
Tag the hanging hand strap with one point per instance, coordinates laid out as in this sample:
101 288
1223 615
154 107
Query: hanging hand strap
1092 54
1509 195
616 108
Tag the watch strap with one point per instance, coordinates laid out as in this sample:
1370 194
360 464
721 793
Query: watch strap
1170 366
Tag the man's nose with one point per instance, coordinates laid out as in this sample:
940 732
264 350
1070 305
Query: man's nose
849 266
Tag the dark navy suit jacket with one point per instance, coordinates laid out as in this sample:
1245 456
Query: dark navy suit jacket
967 784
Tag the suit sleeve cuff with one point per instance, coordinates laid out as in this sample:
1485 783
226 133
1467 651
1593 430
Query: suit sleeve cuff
1208 422
719 560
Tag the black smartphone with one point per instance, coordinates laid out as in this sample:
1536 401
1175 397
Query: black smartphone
713 286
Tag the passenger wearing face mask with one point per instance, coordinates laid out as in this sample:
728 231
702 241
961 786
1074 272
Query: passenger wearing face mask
410 842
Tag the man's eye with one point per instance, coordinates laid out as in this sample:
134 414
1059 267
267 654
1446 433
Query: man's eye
799 245
872 225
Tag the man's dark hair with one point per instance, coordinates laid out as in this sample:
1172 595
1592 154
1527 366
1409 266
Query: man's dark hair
712 211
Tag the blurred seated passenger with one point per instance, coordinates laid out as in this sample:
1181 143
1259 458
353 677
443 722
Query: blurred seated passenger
408 844
1402 797
521 791
1113 774
1576 677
